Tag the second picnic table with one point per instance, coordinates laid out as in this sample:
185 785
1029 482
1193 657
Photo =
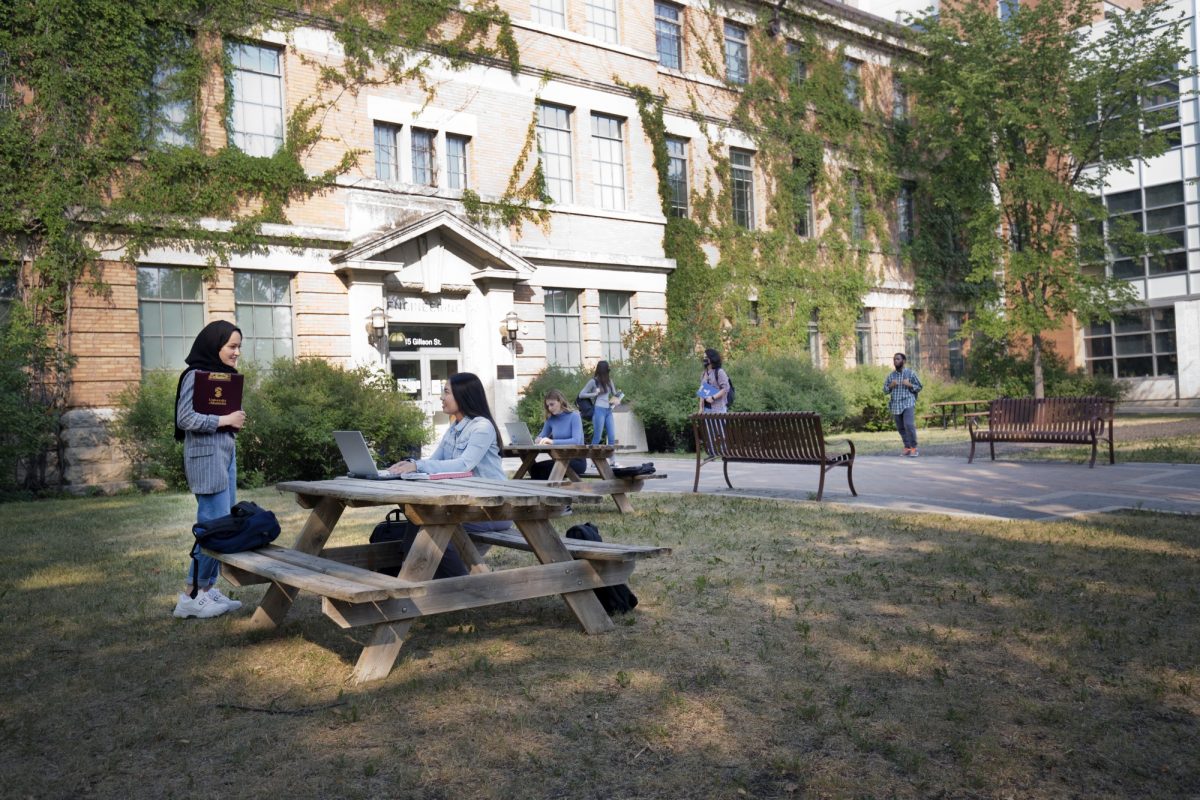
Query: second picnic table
947 411
598 454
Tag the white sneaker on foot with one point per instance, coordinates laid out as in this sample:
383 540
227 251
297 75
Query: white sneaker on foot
202 607
215 594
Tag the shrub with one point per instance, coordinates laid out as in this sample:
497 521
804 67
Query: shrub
1008 373
27 420
866 404
294 409
291 413
568 381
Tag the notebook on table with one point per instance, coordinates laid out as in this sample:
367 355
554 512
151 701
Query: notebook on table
518 433
361 464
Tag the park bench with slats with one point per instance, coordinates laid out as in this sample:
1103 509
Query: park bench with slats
775 437
1053 420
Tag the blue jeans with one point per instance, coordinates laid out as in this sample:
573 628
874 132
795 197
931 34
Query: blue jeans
907 426
602 421
204 570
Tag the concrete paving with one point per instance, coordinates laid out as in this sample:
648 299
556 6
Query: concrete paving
948 485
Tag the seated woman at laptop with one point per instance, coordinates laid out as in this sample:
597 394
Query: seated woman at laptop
472 444
562 426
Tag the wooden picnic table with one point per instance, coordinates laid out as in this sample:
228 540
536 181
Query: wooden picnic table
948 411
598 454
354 594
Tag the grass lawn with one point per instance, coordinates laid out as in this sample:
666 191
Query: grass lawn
783 651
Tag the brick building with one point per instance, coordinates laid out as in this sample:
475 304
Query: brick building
393 274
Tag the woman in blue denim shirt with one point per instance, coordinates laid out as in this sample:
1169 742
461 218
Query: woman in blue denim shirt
472 444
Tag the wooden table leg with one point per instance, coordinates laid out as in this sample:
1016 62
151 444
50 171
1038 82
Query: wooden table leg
549 549
527 460
316 531
559 470
422 561
620 498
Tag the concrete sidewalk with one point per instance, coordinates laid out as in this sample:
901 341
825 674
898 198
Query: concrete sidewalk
948 485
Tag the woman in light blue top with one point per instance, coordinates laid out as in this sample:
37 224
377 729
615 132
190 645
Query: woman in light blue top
472 444
605 394
562 426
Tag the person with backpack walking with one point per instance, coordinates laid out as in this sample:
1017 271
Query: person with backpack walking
209 461
714 375
603 392
903 386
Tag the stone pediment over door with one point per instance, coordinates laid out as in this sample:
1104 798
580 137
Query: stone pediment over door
436 254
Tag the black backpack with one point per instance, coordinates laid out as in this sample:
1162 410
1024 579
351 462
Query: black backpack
729 395
247 526
586 406
615 599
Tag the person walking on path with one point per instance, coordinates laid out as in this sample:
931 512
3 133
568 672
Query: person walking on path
209 461
714 376
903 385
603 392
563 426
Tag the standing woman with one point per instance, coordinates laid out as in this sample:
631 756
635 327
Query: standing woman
209 461
714 375
563 426
606 397
471 444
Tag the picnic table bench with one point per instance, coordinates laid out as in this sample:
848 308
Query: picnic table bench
598 454
947 411
354 594
1055 420
775 437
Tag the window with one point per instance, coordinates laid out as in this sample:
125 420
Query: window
456 161
424 173
562 328
899 100
737 54
264 313
904 213
602 19
8 295
608 161
256 116
387 151
1136 344
677 175
912 339
954 344
554 150
862 339
814 340
550 12
742 168
1008 8
803 200
1158 211
852 74
668 34
7 98
1161 103
169 106
799 67
170 314
858 223
614 324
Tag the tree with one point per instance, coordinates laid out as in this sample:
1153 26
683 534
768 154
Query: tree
1018 122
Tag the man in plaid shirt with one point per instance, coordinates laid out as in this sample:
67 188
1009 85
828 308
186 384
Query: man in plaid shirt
903 386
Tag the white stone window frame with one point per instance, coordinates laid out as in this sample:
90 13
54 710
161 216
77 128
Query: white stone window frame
608 160
737 53
551 13
668 33
564 341
254 309
602 22
171 311
741 177
556 151
678 153
616 320
256 112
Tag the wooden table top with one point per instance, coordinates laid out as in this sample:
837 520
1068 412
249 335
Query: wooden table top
950 403
481 492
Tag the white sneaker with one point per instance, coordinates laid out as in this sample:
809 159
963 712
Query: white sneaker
215 594
202 607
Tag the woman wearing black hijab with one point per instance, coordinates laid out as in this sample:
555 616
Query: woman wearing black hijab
209 461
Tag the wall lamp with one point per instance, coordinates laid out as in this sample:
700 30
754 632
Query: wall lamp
510 328
377 328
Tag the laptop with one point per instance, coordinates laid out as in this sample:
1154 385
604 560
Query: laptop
518 433
358 457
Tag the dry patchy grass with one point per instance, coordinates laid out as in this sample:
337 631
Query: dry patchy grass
784 650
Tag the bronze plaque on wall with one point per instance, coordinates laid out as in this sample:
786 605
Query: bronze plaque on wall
505 372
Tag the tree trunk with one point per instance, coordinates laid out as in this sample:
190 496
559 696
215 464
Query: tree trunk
1039 380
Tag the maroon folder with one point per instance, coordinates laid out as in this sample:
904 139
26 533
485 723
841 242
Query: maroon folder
217 392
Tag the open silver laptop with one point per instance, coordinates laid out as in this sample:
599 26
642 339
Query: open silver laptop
518 433
358 457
